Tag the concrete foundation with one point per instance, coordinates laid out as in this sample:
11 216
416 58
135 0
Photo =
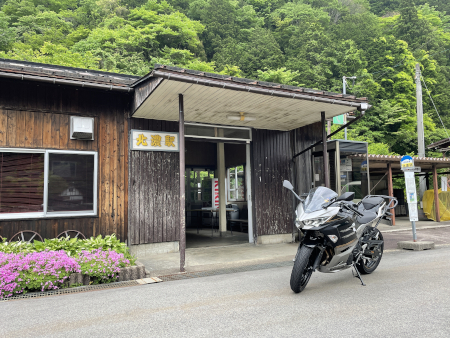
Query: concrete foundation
416 246
275 239
143 250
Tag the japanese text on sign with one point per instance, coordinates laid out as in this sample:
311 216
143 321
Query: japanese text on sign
407 162
154 140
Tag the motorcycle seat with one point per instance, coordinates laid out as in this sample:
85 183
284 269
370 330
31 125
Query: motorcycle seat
368 216
372 202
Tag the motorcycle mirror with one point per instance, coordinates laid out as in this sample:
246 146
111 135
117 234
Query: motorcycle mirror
288 185
347 196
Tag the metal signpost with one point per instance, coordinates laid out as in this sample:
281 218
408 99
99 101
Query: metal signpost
407 165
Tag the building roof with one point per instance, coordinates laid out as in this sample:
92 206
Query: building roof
40 71
273 85
214 98
441 145
378 163
209 98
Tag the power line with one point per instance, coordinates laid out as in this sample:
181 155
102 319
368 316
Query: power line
432 101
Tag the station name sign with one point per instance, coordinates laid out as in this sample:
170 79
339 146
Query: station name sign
407 162
148 140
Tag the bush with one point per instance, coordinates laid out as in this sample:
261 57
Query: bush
24 272
102 266
72 246
45 270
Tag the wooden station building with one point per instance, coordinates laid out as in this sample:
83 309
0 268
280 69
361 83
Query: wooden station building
102 153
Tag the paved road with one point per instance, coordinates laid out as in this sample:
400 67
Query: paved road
408 296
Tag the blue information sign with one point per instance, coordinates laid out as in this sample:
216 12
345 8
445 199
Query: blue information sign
406 162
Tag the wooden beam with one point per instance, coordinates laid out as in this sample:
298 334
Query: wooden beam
182 186
436 194
391 190
326 174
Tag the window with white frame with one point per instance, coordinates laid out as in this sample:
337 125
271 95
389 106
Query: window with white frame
41 183
236 183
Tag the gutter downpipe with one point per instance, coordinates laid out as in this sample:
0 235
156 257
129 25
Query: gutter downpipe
65 82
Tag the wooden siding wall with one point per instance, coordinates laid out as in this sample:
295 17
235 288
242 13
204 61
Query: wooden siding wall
34 115
154 193
272 158
302 138
272 153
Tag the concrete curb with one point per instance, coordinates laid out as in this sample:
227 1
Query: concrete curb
128 273
416 246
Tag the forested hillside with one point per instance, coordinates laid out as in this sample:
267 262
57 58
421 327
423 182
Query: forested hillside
310 43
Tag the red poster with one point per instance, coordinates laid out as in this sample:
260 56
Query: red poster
215 187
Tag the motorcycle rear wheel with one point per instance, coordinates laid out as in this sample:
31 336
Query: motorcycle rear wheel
301 272
367 267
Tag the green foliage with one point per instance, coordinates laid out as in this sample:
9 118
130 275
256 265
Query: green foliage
72 246
310 43
281 75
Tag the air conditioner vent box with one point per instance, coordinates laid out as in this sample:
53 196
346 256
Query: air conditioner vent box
81 128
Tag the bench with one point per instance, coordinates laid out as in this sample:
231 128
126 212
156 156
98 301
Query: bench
242 223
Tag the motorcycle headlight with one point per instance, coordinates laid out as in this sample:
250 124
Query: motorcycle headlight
299 224
315 222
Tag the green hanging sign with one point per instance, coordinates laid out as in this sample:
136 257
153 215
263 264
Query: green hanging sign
340 119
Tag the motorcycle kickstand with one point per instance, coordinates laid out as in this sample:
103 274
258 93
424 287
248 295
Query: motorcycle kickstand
357 274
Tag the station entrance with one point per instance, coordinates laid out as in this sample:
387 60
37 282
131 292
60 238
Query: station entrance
217 186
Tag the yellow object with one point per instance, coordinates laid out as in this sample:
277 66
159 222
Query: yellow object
141 140
156 141
169 141
444 205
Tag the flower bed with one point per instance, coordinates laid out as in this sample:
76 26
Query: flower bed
26 267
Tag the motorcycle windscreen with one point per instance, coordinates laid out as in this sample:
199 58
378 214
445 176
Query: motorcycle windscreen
317 197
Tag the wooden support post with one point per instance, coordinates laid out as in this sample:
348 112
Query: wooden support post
391 190
436 194
182 186
326 174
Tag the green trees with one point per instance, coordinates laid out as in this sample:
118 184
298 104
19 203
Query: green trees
310 43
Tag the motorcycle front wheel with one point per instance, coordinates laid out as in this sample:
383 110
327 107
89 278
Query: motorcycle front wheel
301 272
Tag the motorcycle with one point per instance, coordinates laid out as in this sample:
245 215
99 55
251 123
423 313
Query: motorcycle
337 234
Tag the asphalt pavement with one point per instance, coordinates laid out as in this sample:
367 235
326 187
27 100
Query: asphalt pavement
407 296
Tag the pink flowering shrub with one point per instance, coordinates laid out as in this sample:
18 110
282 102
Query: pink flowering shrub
47 270
102 266
44 270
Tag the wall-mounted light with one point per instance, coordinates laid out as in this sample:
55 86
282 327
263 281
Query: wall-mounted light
242 117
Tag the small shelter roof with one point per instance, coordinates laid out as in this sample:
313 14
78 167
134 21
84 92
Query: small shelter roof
442 145
211 98
378 163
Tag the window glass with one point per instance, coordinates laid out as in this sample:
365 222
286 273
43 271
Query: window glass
198 130
236 133
21 182
192 130
70 182
236 183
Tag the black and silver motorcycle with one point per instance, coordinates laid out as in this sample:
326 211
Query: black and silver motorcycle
337 234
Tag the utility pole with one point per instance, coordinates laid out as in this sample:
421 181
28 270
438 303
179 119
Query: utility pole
344 91
420 131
